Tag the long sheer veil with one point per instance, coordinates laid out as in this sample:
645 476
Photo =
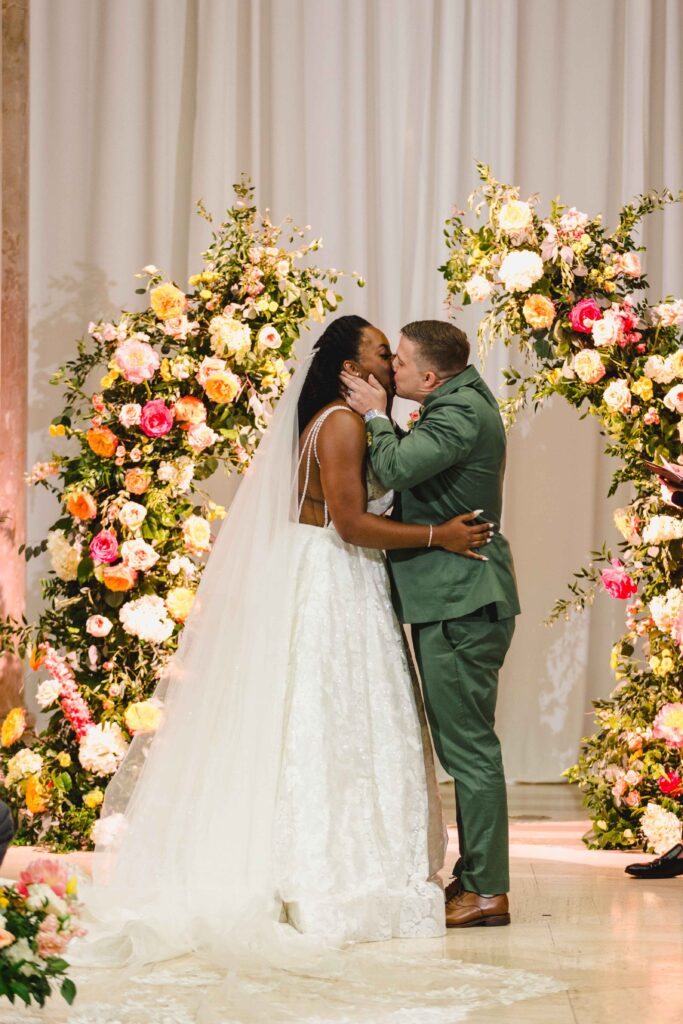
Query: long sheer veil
188 819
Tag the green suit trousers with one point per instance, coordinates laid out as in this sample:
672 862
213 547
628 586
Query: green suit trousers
459 660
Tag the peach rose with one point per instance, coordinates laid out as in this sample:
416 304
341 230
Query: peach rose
102 441
222 387
588 366
138 554
82 505
178 602
201 436
6 938
136 481
119 577
628 264
129 414
673 399
539 312
189 411
167 301
209 365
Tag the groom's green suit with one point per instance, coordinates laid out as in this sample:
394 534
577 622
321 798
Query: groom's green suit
461 610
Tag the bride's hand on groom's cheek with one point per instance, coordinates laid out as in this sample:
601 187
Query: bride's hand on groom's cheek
363 395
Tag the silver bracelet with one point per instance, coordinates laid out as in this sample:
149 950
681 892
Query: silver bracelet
431 531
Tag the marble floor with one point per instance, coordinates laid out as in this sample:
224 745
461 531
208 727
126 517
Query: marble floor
614 944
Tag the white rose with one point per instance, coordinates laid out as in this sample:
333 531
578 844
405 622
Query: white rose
138 554
670 313
102 749
478 288
617 396
47 693
132 515
147 618
64 557
659 370
268 337
98 625
607 331
282 268
674 399
520 270
200 436
660 529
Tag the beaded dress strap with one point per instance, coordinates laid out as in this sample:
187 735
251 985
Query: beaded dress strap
311 448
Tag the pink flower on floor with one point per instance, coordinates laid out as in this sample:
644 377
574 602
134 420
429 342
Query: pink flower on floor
617 581
50 941
156 418
44 871
668 725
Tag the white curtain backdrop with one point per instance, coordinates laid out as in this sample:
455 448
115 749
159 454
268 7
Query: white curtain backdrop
364 118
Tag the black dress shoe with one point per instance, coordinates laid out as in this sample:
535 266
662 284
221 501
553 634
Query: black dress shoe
669 865
453 889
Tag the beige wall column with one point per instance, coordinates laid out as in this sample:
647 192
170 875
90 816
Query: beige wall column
14 87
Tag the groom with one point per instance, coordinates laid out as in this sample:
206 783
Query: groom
462 611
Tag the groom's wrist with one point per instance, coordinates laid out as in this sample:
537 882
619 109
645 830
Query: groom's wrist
373 414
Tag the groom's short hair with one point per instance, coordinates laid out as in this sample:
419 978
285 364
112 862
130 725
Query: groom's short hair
442 346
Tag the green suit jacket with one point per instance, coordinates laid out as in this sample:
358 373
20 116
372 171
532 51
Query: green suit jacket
452 461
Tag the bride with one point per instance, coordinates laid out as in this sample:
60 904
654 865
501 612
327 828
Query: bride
286 797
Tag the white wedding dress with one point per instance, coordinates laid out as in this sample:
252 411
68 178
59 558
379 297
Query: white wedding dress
282 812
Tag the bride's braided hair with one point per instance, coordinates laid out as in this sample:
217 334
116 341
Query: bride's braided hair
339 341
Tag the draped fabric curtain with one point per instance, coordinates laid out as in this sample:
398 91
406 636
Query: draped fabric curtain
364 118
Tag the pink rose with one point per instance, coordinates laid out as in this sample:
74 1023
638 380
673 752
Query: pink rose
104 547
609 330
201 436
668 724
628 263
98 625
584 314
209 365
156 419
136 360
617 581
633 798
671 784
44 871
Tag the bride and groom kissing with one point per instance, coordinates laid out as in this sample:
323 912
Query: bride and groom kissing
312 807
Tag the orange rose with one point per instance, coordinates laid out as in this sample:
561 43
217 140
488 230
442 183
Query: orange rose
167 301
136 481
36 795
118 577
222 386
178 603
189 411
539 312
103 441
82 505
13 727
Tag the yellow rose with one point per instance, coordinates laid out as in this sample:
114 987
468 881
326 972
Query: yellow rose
654 662
64 760
165 370
539 312
666 666
178 603
205 294
72 886
514 216
143 717
194 280
196 534
13 727
57 430
107 381
222 386
554 376
167 301
676 362
93 799
643 388
214 512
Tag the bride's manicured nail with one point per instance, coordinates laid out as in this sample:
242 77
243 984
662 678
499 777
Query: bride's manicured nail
484 558
477 511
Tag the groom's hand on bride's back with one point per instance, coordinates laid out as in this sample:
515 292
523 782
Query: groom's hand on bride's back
462 536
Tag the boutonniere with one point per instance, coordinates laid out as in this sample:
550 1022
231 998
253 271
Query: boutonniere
368 439
413 418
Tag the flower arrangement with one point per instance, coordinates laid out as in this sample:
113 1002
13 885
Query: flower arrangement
571 295
190 383
38 918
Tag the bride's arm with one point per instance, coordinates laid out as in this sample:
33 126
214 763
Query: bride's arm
341 450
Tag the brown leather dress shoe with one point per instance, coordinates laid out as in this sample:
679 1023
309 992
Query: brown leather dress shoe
470 910
453 889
